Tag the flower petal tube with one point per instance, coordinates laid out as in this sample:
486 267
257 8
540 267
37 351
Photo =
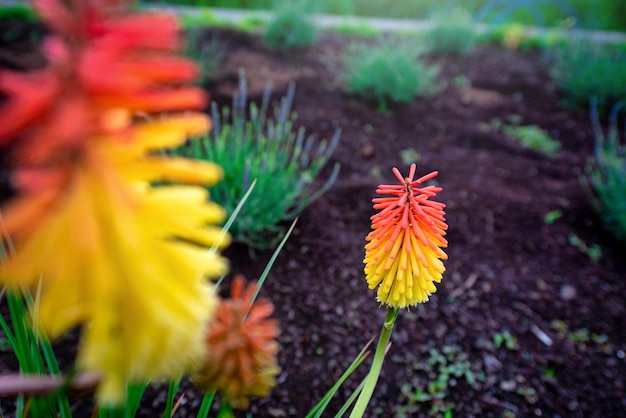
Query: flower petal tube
403 253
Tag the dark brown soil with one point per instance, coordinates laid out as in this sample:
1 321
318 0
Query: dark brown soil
508 270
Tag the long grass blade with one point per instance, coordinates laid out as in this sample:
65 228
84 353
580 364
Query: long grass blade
205 407
270 263
318 409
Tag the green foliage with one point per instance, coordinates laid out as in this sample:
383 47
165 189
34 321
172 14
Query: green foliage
387 72
601 14
409 156
35 357
207 53
596 14
505 339
582 339
461 81
552 216
539 13
453 33
319 409
134 394
586 69
358 28
200 18
17 13
33 351
594 252
532 136
290 28
605 179
448 367
283 162
517 36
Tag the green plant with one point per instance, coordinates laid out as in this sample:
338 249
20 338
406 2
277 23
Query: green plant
409 156
387 72
494 125
283 162
34 354
461 81
594 252
252 22
207 53
605 177
532 136
550 217
445 368
290 28
586 69
453 33
199 18
541 13
582 338
505 339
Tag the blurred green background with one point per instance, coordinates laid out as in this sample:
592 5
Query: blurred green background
582 14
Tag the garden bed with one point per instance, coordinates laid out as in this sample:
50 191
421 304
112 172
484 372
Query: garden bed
528 312
509 270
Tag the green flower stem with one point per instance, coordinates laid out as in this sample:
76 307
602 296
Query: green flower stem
377 364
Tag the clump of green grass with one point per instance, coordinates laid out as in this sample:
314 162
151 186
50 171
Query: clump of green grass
533 137
290 28
453 33
605 176
387 72
206 52
260 144
584 69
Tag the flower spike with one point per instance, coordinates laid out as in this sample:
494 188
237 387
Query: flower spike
109 251
242 348
403 252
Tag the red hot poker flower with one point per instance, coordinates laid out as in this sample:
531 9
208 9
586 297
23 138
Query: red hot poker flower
403 254
242 348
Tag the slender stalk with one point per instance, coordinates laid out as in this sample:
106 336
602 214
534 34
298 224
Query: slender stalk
377 364
205 407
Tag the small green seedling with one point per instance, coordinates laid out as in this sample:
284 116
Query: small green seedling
505 339
552 216
594 252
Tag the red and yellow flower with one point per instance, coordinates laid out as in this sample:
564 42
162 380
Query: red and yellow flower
110 252
403 256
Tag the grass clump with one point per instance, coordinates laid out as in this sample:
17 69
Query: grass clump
532 136
206 52
605 179
290 28
584 69
453 33
258 144
387 72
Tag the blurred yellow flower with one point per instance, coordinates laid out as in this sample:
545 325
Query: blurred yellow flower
127 261
97 223
403 254
242 348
